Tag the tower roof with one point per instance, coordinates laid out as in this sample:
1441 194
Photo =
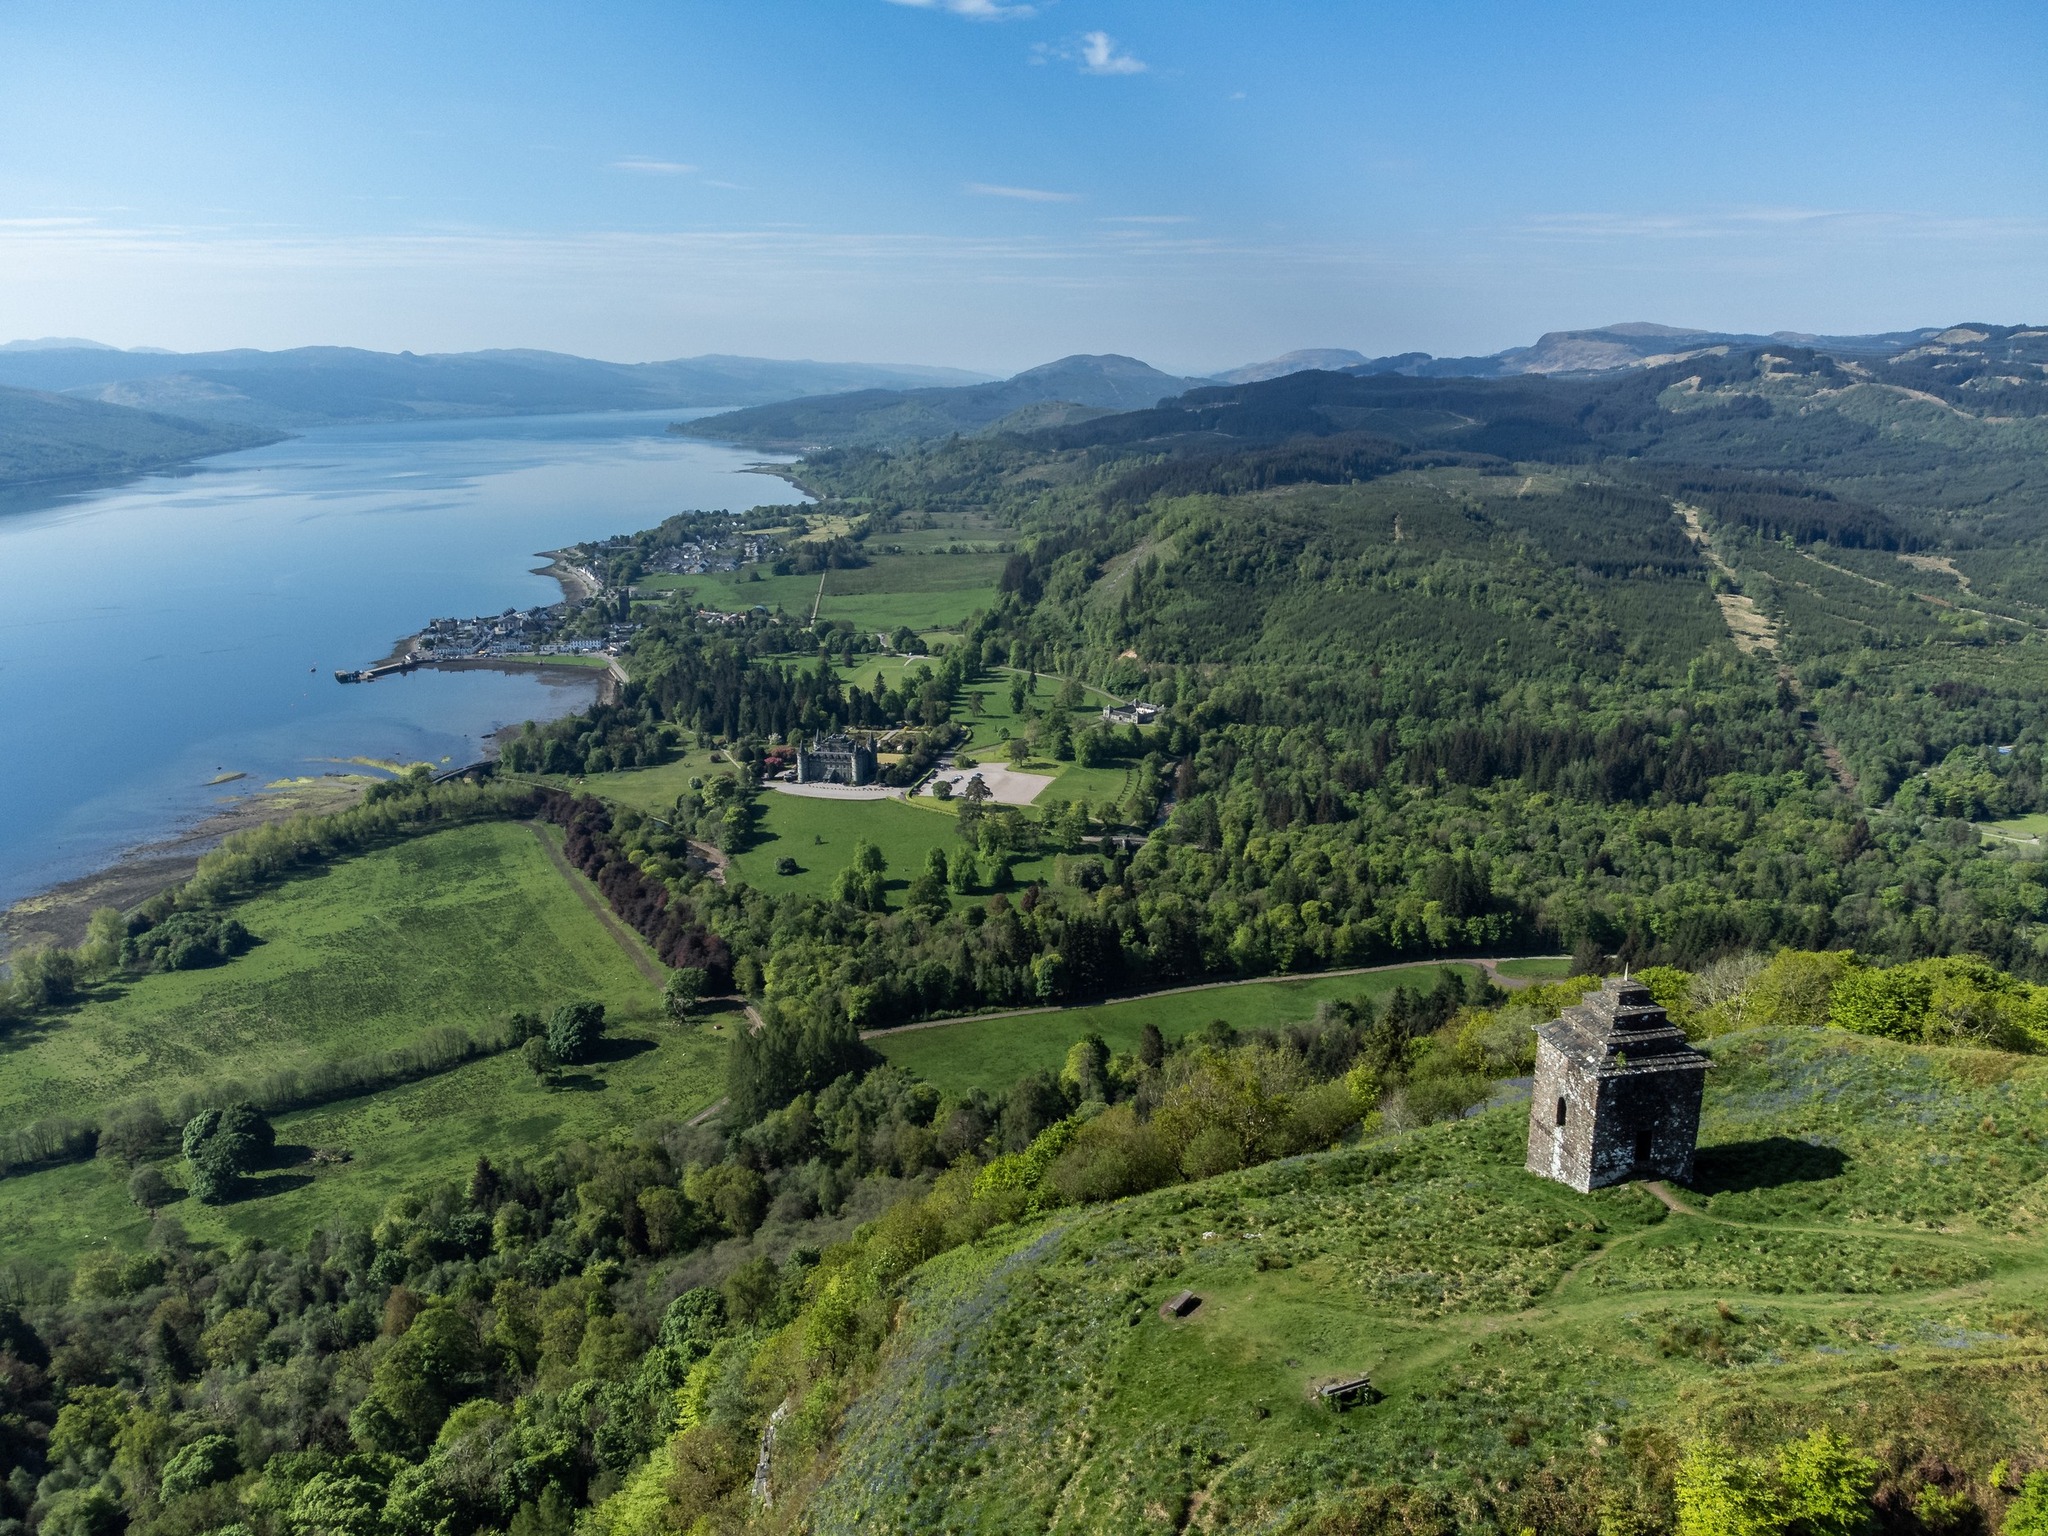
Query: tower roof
1620 1028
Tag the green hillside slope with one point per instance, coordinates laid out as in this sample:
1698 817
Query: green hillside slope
1864 1252
52 437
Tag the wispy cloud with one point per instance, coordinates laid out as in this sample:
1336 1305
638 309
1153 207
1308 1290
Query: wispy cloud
644 166
1021 194
973 10
1746 223
1100 56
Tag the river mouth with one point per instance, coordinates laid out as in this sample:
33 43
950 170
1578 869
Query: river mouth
161 636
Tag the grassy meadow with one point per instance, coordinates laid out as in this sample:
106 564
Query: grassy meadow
994 1053
1865 1252
934 591
820 835
419 1133
462 927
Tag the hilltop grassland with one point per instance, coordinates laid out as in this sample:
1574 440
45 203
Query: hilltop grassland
1861 1249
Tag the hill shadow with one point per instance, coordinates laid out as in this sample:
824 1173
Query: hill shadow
1764 1164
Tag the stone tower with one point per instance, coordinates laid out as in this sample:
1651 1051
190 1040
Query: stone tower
1617 1092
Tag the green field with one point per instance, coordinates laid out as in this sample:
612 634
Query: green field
820 835
924 591
2021 831
994 1053
1541 968
422 1133
645 789
463 927
1868 1256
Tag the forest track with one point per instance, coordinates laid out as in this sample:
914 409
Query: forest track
1753 632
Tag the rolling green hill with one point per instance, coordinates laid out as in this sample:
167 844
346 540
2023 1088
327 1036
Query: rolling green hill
1861 1249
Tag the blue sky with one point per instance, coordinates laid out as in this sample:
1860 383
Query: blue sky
991 185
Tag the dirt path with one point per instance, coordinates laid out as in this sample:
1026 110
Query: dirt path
1671 1201
713 857
1489 965
703 1115
629 941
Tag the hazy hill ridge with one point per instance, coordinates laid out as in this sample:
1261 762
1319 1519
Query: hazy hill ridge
53 437
312 386
1109 381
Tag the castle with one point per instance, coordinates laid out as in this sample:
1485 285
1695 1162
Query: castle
1617 1092
835 760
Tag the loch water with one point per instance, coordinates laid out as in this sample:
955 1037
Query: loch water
160 633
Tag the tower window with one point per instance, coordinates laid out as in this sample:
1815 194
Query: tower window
1560 1111
1643 1133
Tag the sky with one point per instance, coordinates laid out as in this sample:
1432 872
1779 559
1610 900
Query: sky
987 184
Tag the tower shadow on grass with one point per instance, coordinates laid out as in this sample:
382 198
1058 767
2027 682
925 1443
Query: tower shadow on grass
1764 1164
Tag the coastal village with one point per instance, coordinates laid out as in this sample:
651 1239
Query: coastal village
568 628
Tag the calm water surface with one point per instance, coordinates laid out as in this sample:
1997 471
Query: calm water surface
181 626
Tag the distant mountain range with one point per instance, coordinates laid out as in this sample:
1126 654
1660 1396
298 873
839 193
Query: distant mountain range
1053 394
1636 344
1076 389
70 407
319 386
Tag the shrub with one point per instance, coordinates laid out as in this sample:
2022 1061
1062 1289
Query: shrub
1795 989
186 941
1959 999
2027 1515
1818 1486
150 1188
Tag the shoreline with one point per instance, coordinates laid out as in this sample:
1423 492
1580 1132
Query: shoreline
59 913
575 583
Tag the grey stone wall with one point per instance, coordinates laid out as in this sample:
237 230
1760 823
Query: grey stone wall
1621 1124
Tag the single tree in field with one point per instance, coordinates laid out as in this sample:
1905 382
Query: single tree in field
221 1145
574 1030
684 988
